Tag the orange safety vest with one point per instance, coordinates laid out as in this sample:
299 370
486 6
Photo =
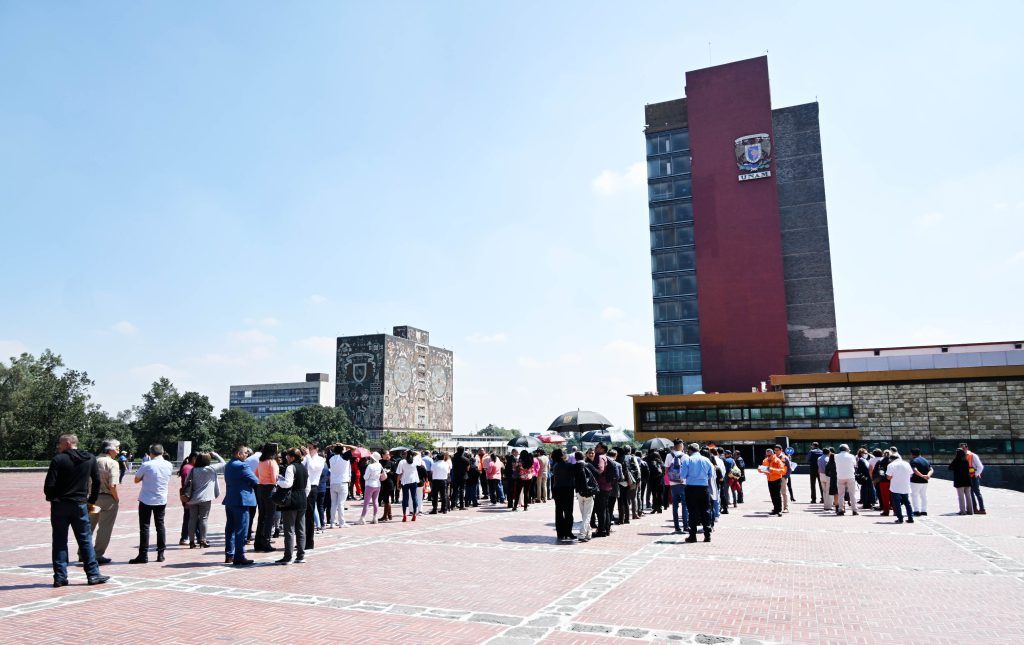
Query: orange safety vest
970 463
776 469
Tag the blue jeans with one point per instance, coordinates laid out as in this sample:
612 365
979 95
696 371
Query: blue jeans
679 499
235 532
898 501
979 503
716 510
472 494
411 498
76 516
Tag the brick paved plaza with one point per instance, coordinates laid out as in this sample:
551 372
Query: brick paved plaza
486 575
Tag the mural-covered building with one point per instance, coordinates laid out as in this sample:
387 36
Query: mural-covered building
395 383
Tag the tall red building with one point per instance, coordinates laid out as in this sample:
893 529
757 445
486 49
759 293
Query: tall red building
740 261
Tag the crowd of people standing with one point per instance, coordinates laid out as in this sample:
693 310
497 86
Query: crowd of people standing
298 493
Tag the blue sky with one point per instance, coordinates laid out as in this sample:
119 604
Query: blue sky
213 193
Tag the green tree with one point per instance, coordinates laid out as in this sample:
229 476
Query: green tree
491 430
237 427
327 425
103 426
390 440
41 399
167 417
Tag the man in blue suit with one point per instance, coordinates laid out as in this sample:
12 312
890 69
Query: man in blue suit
241 483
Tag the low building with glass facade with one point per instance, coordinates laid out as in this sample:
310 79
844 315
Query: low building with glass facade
934 409
268 399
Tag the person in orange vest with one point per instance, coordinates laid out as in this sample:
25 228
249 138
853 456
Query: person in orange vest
975 467
773 468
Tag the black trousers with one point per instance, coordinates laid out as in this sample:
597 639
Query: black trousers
602 509
458 493
698 503
310 522
775 490
564 498
266 520
156 513
439 494
623 504
816 487
657 495
521 487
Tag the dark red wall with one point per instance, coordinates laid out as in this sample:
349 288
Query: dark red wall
740 293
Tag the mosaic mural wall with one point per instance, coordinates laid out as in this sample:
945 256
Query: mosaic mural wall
359 387
417 387
394 384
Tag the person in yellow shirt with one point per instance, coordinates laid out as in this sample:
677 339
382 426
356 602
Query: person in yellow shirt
773 468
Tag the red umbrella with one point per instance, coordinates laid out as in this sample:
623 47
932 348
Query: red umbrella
551 438
361 453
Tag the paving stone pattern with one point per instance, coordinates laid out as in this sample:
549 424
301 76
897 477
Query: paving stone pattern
489 576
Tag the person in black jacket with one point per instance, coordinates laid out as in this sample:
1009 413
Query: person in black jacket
460 466
295 479
67 488
563 488
812 462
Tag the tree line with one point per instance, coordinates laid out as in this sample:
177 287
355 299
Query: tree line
41 398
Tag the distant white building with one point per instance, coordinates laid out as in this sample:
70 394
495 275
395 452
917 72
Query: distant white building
267 399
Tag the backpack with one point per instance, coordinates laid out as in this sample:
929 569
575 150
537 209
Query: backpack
586 484
632 469
675 471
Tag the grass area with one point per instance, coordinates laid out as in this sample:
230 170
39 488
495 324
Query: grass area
23 463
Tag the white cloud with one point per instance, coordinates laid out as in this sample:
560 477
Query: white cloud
1016 258
1000 206
9 348
610 182
318 343
479 339
262 322
928 220
252 337
125 328
612 313
317 299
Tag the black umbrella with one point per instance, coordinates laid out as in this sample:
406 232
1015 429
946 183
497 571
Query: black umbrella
525 442
398 451
605 436
657 443
579 421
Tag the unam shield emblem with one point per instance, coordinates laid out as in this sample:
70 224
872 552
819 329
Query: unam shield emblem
359 372
753 152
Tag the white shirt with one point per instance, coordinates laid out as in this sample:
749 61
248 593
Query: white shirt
287 478
154 475
407 472
846 465
315 467
341 471
899 472
440 469
978 466
254 460
371 476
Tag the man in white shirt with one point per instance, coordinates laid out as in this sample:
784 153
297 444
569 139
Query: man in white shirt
252 460
153 475
899 472
409 478
314 464
439 472
341 475
846 481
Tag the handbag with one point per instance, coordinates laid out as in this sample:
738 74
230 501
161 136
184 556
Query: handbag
281 497
185 494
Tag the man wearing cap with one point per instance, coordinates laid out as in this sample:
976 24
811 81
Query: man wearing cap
846 484
107 501
698 474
